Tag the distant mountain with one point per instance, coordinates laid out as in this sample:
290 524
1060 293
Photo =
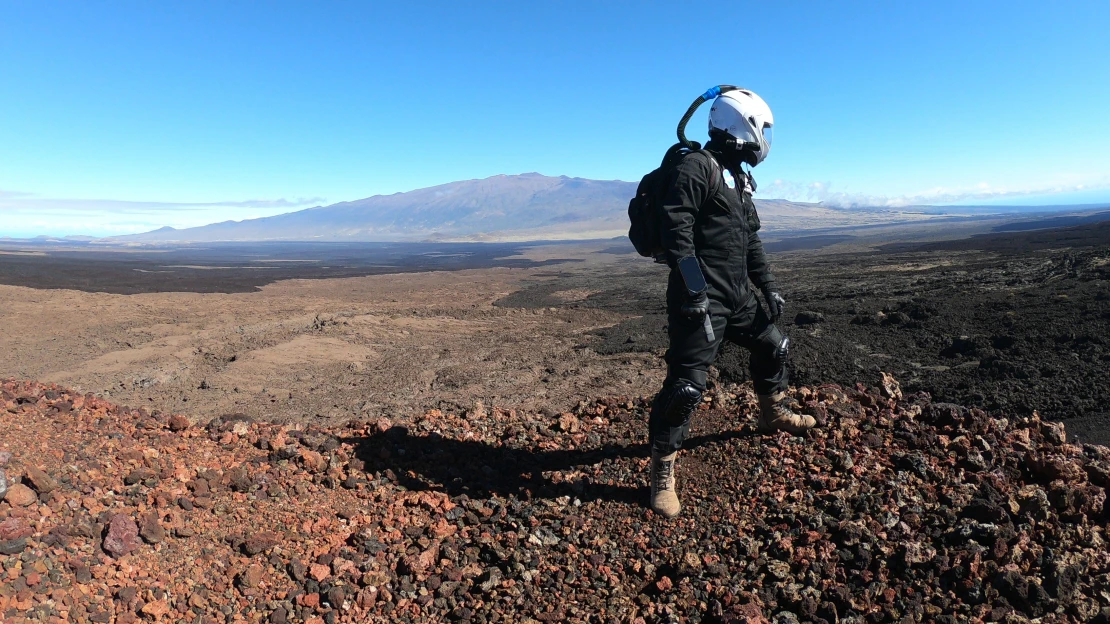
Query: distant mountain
529 206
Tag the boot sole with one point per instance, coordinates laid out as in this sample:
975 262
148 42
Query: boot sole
665 514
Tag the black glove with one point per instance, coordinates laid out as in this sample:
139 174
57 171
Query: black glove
696 306
775 303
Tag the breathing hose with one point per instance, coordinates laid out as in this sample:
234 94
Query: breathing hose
704 97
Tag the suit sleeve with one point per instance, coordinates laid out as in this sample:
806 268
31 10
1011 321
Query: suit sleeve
687 192
759 268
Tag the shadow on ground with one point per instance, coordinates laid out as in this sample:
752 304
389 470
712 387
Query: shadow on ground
482 469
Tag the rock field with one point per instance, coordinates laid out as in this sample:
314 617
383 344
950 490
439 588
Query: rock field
898 510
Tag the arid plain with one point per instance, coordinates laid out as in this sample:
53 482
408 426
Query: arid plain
327 350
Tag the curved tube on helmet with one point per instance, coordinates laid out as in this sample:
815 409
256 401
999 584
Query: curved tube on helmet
703 98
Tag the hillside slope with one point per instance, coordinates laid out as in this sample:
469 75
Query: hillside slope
897 508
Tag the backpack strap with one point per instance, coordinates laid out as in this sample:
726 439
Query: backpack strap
718 177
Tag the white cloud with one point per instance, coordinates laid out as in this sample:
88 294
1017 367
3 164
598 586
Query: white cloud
982 192
13 200
25 214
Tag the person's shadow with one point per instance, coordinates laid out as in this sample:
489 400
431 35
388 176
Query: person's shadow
481 469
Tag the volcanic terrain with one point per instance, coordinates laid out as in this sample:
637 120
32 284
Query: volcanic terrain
469 446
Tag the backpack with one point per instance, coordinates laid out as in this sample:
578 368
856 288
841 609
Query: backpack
645 210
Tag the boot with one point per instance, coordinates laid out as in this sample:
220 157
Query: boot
664 498
774 416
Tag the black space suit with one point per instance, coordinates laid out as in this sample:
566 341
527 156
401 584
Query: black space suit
705 218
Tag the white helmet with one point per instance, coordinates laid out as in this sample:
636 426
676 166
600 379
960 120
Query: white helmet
745 117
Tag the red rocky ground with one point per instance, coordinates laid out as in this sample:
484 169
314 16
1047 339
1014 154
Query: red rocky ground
899 510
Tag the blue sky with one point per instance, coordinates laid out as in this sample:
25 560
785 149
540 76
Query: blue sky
118 117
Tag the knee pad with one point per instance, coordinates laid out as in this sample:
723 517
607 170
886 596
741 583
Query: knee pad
775 343
782 352
676 403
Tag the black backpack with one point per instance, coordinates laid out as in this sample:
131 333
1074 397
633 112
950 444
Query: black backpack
645 210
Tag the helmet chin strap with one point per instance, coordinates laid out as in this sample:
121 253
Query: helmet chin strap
747 173
736 146
731 156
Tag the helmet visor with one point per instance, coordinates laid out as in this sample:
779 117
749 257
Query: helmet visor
768 134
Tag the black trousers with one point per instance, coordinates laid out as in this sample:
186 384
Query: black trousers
691 353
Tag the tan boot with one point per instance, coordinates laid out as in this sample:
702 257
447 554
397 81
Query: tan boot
664 498
774 416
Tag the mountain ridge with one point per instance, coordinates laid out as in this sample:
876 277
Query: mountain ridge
504 207
523 208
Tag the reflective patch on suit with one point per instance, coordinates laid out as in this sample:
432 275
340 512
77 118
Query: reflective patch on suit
729 180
